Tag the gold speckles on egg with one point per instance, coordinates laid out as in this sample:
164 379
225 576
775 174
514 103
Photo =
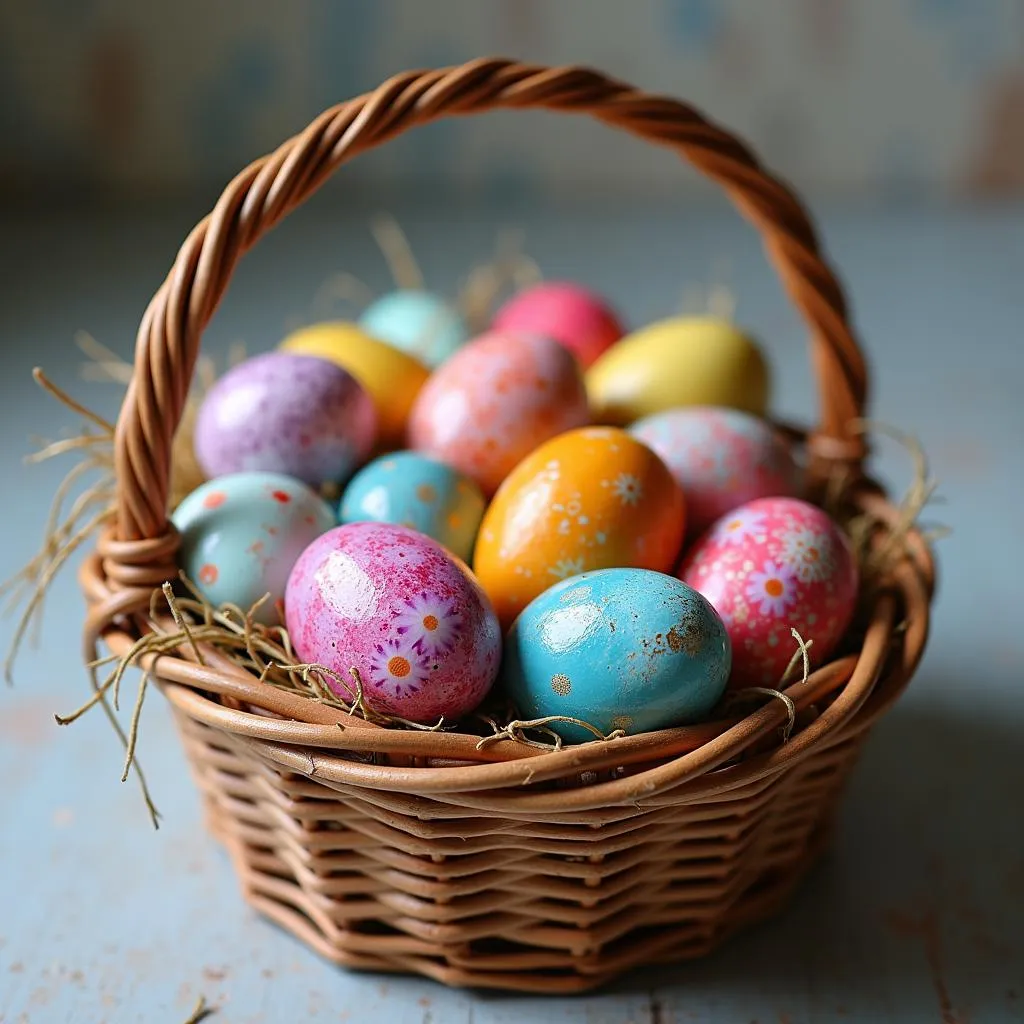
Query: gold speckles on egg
686 636
623 722
561 684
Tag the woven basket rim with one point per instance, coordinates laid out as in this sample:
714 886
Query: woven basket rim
853 682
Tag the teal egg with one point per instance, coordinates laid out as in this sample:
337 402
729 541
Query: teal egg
242 533
420 323
419 492
625 649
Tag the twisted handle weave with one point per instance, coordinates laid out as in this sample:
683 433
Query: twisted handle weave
140 551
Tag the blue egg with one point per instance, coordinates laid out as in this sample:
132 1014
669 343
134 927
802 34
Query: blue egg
241 534
419 492
420 323
624 649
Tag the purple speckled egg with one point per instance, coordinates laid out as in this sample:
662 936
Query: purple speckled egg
286 413
392 603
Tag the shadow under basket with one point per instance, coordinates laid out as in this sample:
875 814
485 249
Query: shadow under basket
505 866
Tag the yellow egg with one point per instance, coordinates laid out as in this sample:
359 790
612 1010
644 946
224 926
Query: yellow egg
592 498
392 378
679 361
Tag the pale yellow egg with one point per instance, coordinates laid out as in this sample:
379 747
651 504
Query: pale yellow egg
392 377
676 362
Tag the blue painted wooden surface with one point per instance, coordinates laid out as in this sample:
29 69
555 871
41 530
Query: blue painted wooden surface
917 913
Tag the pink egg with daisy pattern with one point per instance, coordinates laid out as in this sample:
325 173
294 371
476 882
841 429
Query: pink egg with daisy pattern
393 604
768 567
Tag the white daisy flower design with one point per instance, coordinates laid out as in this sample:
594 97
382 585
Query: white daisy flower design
428 624
739 525
566 567
628 489
772 590
397 668
810 553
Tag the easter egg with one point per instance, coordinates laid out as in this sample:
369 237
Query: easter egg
419 492
494 401
391 377
285 413
679 361
394 605
773 565
620 649
722 458
241 534
589 499
573 315
417 322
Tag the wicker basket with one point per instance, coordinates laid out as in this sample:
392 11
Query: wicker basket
507 866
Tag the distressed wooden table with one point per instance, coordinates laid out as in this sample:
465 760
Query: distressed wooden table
916 915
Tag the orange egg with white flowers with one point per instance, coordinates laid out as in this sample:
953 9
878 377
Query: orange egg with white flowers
593 498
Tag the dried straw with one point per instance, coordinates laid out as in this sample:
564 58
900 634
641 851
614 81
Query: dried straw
801 654
508 270
202 1011
876 561
715 298
66 530
518 730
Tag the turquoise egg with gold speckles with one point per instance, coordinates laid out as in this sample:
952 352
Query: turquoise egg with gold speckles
242 533
627 649
414 490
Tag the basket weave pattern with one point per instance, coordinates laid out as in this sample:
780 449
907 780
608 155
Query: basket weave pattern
466 896
502 866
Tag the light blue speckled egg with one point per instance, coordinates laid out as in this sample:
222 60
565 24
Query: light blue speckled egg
242 533
420 323
624 649
419 492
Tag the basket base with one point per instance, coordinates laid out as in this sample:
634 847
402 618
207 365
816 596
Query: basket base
763 900
393 883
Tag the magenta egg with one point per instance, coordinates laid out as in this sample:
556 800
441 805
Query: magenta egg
286 413
768 567
573 315
393 604
722 458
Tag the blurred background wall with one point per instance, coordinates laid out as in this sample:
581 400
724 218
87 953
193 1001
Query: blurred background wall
904 98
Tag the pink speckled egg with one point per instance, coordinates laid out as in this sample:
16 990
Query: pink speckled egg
770 566
286 413
395 605
496 400
722 458
573 315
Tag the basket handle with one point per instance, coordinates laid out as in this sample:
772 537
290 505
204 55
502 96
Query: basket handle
142 545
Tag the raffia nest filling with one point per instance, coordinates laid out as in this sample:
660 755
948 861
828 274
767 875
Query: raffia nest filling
490 856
